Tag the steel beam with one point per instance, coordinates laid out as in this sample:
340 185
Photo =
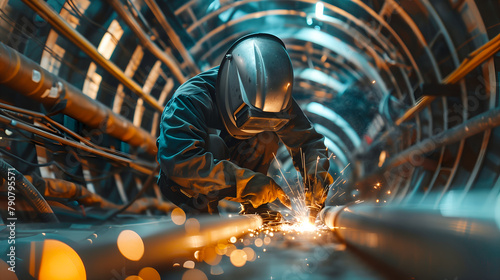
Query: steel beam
46 12
172 35
146 41
30 79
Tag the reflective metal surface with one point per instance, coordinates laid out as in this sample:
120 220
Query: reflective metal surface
454 240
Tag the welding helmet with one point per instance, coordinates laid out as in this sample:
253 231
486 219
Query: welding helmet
254 86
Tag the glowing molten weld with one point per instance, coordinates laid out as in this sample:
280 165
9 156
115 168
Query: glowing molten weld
302 225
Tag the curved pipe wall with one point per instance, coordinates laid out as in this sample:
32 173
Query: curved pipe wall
414 47
411 45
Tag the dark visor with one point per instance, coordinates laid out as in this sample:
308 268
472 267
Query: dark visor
248 119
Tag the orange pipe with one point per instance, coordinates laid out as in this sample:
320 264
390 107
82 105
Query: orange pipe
30 79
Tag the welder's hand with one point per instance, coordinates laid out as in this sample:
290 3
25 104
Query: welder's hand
316 189
262 189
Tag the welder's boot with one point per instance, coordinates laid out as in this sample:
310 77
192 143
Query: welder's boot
268 215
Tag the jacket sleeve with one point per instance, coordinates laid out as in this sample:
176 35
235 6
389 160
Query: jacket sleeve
183 155
305 145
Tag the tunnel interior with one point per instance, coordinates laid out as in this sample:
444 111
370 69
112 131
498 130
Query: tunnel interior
405 93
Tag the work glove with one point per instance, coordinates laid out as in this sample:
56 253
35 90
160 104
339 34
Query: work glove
261 189
316 190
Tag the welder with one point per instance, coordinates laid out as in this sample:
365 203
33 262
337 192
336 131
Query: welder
220 130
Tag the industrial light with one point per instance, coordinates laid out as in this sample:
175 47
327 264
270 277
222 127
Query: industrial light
319 9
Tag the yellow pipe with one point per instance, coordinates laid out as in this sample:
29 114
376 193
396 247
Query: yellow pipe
475 59
29 79
419 106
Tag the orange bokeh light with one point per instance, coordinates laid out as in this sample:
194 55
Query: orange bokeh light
194 274
178 216
238 258
133 277
149 273
130 245
258 242
192 226
250 254
210 256
60 261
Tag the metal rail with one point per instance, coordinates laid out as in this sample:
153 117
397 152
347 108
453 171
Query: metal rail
473 126
46 12
30 79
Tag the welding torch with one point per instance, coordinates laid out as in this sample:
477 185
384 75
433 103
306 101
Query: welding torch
313 203
316 190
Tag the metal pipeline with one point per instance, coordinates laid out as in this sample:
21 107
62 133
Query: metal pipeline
31 194
30 79
451 242
485 121
145 40
46 12
157 243
473 126
56 188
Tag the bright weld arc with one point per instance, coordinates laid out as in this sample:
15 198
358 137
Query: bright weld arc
300 221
